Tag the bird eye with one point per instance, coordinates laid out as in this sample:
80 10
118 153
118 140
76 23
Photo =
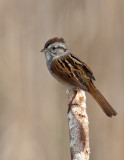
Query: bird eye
54 48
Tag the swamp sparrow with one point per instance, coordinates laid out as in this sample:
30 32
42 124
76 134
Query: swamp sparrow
72 72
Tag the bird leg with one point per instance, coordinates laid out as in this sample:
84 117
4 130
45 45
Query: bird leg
71 103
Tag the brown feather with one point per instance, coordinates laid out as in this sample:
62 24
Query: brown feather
56 39
64 74
106 107
71 71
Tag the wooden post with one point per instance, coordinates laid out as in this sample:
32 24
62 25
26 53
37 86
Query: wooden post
78 126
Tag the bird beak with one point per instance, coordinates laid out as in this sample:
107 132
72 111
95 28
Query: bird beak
42 50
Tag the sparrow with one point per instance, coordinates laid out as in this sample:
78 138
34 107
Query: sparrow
72 72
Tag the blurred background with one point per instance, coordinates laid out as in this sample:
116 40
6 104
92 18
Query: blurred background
33 105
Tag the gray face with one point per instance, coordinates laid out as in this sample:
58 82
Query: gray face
55 50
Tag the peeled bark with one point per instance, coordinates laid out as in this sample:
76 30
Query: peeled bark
78 126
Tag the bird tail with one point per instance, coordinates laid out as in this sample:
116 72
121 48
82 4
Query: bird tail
106 107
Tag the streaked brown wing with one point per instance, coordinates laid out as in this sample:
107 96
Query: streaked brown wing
72 71
85 67
65 72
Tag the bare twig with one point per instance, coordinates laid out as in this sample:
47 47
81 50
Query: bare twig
78 126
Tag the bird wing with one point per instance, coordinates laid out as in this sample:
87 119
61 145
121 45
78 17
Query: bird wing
72 71
85 67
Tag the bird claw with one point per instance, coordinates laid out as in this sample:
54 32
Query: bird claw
70 105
